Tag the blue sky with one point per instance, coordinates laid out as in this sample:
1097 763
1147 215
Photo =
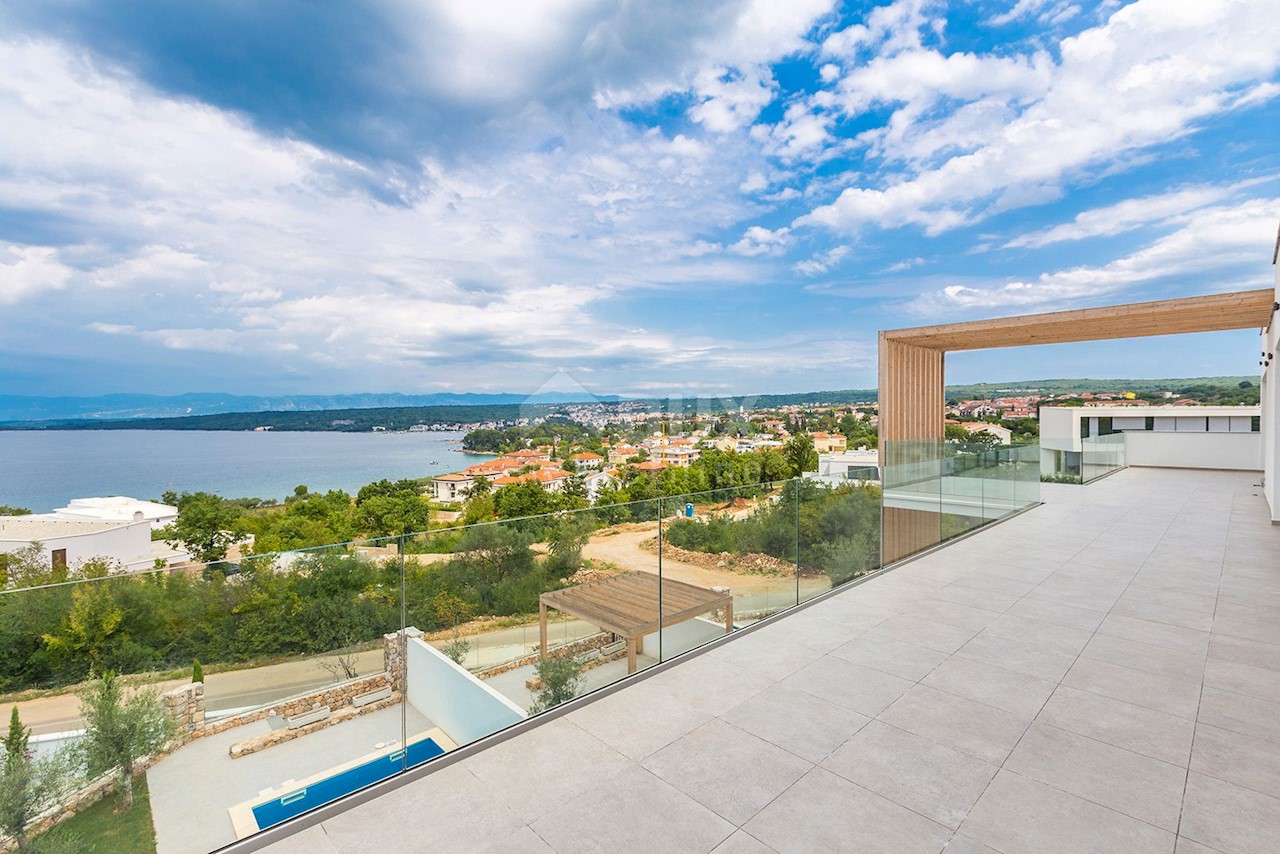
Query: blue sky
682 198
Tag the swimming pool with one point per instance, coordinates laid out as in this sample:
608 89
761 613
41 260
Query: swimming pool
321 792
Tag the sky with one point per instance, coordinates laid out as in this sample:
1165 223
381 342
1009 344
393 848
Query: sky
709 198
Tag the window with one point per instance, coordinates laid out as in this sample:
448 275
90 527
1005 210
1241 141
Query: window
1255 424
1151 422
1104 427
1084 428
59 561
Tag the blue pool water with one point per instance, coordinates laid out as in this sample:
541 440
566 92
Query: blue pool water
299 801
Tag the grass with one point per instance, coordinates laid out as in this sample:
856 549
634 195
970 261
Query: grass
101 829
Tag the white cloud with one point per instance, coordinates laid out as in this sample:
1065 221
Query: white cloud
35 271
1225 244
758 240
1149 74
1131 214
823 261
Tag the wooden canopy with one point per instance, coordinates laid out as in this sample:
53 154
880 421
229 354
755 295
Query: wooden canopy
627 606
912 367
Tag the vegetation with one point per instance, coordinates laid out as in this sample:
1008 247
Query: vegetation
197 671
10 510
207 525
104 829
561 678
120 730
839 530
27 785
1060 478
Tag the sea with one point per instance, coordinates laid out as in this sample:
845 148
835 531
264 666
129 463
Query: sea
43 470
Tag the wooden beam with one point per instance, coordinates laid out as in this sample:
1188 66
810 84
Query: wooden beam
1210 313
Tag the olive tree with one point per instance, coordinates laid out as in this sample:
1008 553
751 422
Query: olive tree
28 785
120 729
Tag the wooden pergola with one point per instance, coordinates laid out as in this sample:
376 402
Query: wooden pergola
627 606
912 361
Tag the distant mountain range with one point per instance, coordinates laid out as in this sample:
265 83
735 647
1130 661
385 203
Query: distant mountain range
119 407
27 412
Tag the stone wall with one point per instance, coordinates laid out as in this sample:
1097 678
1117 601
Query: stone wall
185 705
280 736
334 696
579 646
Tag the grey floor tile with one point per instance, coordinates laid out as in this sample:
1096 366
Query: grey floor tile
727 770
853 686
1058 614
449 804
823 812
961 844
1185 616
977 729
1136 785
1052 635
1229 817
313 840
1005 689
1180 638
1251 680
1019 655
743 843
1148 690
938 782
897 658
952 613
711 685
1243 651
1239 713
634 812
1142 730
639 720
1018 815
820 634
795 720
515 770
1236 758
1188 846
1146 657
768 651
921 632
523 841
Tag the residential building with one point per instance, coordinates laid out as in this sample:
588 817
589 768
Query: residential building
118 508
587 461
1004 434
451 487
850 465
71 542
1206 437
829 443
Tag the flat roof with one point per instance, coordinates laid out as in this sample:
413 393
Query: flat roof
38 527
1163 411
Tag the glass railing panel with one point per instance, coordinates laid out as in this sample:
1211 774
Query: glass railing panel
317 712
838 532
733 549
1101 456
966 470
912 497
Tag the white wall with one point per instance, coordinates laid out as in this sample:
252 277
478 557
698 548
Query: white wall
682 637
128 543
1233 451
1270 341
454 700
1058 430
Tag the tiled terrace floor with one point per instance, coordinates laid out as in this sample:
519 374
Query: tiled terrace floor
1100 674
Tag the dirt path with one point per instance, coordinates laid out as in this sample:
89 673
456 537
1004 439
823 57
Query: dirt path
624 550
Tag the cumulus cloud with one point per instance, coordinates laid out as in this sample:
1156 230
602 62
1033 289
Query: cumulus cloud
1220 244
1147 75
33 270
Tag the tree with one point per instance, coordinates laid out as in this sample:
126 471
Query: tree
800 454
28 786
567 539
120 729
10 510
197 671
561 678
207 525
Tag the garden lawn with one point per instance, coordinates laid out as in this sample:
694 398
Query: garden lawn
102 830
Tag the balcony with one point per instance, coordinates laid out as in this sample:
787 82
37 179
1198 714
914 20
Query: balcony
1101 673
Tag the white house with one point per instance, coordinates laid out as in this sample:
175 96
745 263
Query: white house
71 542
118 508
1208 437
850 465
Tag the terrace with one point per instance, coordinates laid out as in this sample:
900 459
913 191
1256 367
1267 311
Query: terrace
1099 673
1080 668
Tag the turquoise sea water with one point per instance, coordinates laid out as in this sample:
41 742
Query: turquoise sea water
44 470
